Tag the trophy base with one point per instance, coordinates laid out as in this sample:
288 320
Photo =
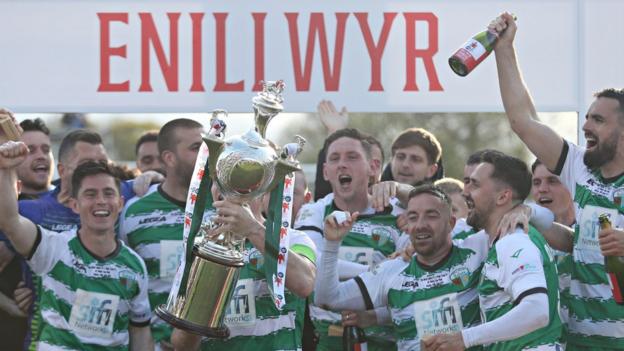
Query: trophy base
222 332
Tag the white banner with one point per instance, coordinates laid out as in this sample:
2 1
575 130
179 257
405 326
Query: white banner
195 56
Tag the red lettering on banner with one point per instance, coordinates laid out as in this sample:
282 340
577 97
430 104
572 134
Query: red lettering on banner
375 51
331 76
258 18
196 20
149 35
221 84
412 53
106 52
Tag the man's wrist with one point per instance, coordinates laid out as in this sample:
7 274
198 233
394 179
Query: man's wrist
331 245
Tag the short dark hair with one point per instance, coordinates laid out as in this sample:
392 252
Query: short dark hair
475 157
419 137
35 125
166 135
91 168
374 142
534 165
431 190
348 133
612 93
511 171
151 136
72 138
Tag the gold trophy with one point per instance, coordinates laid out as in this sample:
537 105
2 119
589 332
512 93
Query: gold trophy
244 168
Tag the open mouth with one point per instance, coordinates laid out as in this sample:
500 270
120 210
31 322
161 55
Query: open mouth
469 203
41 169
543 201
422 236
344 179
591 140
101 213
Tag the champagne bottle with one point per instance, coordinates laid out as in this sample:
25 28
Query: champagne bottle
473 52
353 339
614 266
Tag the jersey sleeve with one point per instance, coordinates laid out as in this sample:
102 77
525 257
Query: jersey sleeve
140 311
47 251
520 264
378 279
570 163
301 243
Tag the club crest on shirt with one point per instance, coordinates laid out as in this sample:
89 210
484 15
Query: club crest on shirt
127 278
460 277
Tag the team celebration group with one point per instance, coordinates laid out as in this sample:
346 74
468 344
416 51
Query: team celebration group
418 261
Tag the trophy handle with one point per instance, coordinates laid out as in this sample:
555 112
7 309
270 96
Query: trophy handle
282 168
215 147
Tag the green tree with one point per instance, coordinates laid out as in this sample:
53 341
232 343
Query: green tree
460 134
122 135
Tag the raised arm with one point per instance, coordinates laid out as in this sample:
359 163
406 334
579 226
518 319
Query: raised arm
543 142
20 231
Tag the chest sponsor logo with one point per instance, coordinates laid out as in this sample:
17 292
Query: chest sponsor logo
438 315
156 219
361 255
170 255
410 284
589 227
598 188
93 314
59 227
242 308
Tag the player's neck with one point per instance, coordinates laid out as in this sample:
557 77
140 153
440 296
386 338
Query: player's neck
101 244
436 258
491 226
174 188
613 168
358 203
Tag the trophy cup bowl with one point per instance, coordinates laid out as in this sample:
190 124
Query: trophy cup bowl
243 168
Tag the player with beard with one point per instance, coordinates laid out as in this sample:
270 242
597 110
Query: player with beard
348 169
36 171
441 273
594 177
518 289
153 224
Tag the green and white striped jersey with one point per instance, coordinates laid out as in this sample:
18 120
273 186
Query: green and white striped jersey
153 225
433 300
516 264
595 320
372 238
254 322
462 230
88 303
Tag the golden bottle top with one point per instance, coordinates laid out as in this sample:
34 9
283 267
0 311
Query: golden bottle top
604 221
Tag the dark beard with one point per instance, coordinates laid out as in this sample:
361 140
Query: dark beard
476 221
601 154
